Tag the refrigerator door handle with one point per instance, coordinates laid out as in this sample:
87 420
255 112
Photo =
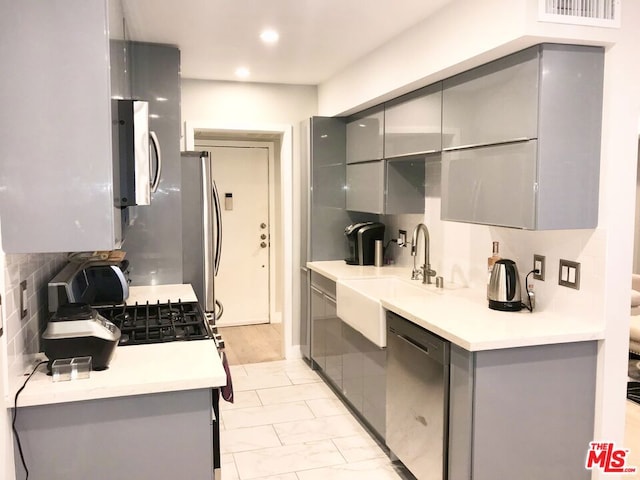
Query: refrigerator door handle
207 217
218 226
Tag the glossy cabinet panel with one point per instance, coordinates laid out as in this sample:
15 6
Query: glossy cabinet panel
550 92
318 328
493 103
365 187
365 137
413 123
153 243
494 398
405 186
386 187
333 339
491 185
57 172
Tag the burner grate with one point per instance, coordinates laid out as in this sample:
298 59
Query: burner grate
159 322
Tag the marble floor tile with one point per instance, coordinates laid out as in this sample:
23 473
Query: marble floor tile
266 415
241 399
326 407
358 448
286 459
324 428
255 382
228 468
378 469
250 438
237 371
293 393
283 476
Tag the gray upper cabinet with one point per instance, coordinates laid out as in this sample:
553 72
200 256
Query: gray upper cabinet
57 169
365 137
386 187
413 123
536 161
365 187
328 139
494 103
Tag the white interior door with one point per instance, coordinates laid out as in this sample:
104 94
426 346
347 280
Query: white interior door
242 285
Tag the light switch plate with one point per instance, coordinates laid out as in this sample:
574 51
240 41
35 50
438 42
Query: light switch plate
569 274
1 318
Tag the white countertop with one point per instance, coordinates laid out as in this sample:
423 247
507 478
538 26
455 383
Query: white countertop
135 369
461 315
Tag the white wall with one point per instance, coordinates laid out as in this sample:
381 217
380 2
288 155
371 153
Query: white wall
463 34
467 33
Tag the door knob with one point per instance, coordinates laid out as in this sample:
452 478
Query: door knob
263 225
263 245
263 237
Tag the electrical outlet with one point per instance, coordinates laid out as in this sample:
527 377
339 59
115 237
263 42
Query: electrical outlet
569 274
23 299
402 238
538 264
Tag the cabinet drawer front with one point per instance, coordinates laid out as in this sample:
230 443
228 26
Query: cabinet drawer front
491 185
324 284
365 187
493 103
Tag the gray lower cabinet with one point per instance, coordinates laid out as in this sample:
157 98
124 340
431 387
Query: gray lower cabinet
57 179
386 186
521 412
318 328
354 366
162 436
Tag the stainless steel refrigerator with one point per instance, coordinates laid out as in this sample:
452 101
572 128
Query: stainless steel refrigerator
322 212
201 229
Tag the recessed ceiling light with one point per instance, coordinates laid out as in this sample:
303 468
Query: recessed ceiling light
242 72
269 36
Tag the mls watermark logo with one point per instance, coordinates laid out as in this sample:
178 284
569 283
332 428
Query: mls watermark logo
607 458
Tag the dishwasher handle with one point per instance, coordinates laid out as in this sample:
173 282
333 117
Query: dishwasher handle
415 345
427 342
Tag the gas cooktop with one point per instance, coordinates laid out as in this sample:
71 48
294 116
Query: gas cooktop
158 322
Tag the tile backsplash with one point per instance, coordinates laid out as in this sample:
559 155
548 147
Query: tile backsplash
23 334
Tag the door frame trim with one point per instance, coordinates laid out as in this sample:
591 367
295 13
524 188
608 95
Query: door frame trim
285 133
274 240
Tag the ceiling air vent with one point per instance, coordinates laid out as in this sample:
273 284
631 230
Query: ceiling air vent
598 13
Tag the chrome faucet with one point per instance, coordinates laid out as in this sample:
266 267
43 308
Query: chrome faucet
424 271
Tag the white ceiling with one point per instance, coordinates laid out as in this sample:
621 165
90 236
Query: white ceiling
318 38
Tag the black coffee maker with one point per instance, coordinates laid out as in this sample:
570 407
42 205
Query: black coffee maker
361 241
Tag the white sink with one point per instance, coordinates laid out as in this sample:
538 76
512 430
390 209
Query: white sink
358 303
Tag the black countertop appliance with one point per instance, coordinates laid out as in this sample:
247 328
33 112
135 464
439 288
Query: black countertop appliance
361 240
78 330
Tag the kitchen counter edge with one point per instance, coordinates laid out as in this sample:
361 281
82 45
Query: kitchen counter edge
461 315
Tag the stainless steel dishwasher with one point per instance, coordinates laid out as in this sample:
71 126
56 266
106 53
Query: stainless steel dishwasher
417 398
